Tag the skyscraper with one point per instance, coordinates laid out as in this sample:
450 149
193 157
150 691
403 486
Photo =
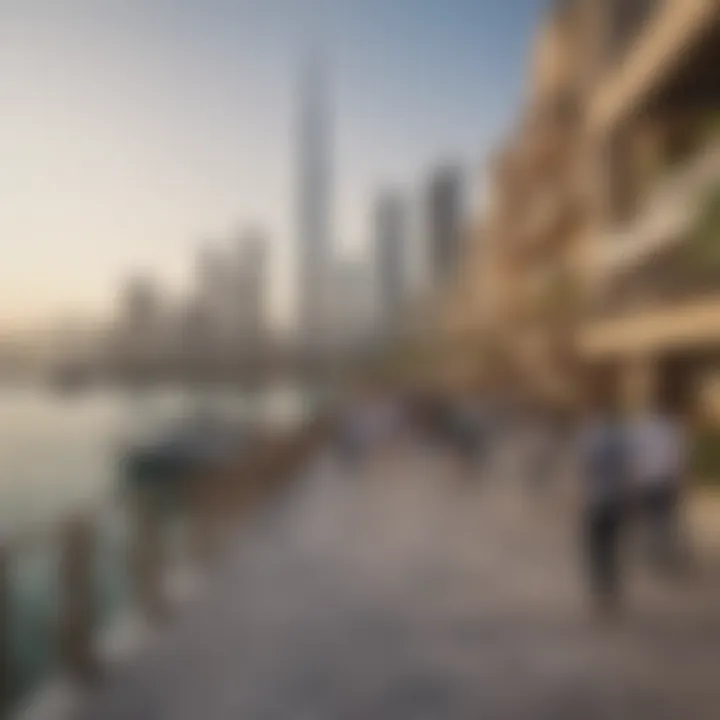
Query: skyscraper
351 314
250 289
214 284
313 207
390 253
139 331
444 218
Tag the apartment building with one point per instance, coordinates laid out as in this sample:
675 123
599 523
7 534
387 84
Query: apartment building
460 320
601 238
536 215
651 258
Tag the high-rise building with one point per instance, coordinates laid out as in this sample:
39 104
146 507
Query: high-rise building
390 253
139 332
214 287
313 207
352 313
250 292
140 302
444 219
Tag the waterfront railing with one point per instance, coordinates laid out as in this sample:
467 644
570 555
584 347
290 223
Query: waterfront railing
62 590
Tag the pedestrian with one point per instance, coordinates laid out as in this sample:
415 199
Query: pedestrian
550 450
351 436
604 468
659 457
543 458
468 433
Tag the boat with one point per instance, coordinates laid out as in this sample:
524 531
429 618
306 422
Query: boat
186 448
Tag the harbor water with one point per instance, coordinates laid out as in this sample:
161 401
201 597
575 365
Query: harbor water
59 455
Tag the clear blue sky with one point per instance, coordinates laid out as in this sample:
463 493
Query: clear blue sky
133 130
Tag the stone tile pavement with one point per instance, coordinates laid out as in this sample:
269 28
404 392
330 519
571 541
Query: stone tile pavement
406 591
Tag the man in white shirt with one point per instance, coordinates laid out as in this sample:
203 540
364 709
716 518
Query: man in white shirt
659 458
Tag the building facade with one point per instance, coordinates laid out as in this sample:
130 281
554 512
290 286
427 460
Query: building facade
139 335
443 224
537 215
603 224
314 213
390 256
653 270
353 313
251 289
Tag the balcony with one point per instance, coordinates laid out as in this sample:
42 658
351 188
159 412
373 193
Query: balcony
665 219
662 45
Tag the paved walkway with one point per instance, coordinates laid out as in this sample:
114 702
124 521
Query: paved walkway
404 593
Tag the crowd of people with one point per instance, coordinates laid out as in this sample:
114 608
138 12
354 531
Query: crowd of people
462 426
630 470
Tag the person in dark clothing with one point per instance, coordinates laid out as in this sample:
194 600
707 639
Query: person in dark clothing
471 430
605 461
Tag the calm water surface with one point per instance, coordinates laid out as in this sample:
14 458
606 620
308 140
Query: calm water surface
59 452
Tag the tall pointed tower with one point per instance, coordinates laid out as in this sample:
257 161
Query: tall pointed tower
313 209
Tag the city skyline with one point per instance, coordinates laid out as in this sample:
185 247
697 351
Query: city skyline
133 131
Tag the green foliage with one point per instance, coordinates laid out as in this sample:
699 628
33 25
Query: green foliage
711 126
705 245
705 457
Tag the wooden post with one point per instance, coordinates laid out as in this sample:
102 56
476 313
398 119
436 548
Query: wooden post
202 519
6 677
77 601
222 506
146 557
238 488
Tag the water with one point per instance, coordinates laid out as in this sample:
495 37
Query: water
59 454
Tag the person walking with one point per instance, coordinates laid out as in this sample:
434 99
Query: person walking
351 435
659 457
604 469
470 427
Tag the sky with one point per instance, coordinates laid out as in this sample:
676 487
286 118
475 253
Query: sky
133 132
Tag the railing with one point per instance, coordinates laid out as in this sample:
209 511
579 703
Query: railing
666 218
69 638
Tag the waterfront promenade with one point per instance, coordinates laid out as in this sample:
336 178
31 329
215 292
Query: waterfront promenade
405 591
